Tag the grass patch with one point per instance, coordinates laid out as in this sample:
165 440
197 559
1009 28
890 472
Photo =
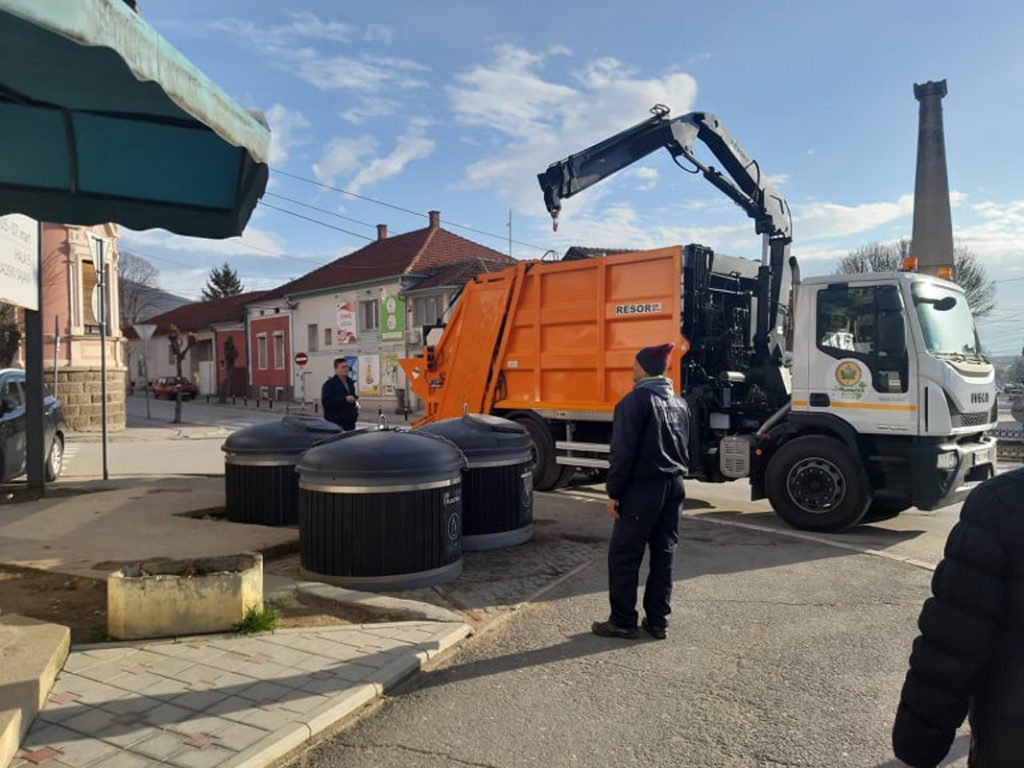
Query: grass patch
257 620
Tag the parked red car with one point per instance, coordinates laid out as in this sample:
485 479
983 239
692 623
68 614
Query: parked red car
169 386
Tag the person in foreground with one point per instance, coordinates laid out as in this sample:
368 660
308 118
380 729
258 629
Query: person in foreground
649 455
970 653
338 397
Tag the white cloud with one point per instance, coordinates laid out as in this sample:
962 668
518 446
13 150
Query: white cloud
286 131
778 179
338 73
343 156
410 146
379 33
998 236
560 50
357 157
253 242
647 176
537 120
370 107
303 25
824 219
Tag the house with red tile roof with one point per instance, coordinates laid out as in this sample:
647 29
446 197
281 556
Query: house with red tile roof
214 323
356 307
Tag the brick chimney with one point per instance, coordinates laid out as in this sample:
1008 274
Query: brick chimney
382 231
435 219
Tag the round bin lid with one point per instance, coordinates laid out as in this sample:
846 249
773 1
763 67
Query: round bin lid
291 435
487 441
388 459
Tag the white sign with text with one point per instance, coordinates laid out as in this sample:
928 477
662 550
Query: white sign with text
19 261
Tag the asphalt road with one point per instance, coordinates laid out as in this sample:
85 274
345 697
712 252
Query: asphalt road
783 652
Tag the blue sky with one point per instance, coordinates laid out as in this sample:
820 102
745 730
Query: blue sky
458 105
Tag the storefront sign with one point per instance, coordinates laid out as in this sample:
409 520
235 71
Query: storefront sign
392 318
346 322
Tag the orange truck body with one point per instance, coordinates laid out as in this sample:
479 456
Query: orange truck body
555 338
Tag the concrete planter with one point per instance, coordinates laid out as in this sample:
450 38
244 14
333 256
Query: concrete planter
183 597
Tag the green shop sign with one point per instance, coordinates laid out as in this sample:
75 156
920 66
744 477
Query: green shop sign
392 318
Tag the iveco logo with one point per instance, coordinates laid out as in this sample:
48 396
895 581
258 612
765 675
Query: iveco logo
979 398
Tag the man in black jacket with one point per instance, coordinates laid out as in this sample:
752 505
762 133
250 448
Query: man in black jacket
970 654
649 455
338 397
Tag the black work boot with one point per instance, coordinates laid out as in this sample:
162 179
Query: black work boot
607 629
657 632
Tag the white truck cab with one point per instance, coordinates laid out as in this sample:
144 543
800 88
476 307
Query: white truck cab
888 369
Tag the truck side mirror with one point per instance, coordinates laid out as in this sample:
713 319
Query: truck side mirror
892 334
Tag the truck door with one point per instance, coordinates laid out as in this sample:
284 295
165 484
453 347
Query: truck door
859 368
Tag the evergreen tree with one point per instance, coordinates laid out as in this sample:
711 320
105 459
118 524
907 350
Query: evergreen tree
223 281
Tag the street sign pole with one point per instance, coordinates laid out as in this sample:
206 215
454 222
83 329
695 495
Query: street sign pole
101 281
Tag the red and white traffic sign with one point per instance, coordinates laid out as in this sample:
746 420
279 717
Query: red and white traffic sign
301 359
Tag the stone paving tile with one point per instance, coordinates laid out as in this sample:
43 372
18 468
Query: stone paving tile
196 703
161 745
207 757
240 736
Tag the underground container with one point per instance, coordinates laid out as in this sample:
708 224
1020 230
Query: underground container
497 485
381 509
260 484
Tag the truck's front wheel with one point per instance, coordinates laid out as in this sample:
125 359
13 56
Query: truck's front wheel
814 483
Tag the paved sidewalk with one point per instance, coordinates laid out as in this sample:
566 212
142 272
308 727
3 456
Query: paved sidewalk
227 701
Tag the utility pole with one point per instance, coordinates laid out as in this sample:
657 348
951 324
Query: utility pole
932 241
510 233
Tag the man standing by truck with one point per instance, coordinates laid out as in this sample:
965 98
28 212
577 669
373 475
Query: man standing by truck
648 459
338 397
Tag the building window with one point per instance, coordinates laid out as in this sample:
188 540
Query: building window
426 311
265 392
327 337
313 337
261 351
279 393
279 350
369 315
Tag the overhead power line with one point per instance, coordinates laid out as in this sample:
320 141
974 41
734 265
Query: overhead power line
314 221
403 209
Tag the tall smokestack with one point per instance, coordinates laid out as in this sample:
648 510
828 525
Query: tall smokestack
932 243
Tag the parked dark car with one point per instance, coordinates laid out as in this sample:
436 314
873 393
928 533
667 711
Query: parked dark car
168 387
12 428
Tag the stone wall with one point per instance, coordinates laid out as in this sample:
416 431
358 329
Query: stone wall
78 388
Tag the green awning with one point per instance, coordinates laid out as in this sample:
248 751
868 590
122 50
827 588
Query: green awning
101 119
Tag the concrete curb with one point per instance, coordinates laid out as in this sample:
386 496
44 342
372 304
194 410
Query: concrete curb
391 607
281 742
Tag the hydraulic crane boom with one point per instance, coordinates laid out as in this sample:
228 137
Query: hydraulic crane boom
746 185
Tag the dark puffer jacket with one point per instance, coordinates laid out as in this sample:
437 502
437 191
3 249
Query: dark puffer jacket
971 649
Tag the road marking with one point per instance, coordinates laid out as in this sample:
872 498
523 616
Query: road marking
787 532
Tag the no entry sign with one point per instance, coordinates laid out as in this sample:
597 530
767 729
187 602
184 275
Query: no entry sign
301 359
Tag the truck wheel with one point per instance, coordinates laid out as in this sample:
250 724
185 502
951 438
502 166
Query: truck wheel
546 473
815 484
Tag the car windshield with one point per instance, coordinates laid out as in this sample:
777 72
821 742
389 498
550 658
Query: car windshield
946 321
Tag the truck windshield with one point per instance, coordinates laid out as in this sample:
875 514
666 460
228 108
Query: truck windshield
946 321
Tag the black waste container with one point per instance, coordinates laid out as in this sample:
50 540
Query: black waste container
497 486
260 483
381 509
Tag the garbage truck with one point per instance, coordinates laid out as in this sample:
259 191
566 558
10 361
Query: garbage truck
837 397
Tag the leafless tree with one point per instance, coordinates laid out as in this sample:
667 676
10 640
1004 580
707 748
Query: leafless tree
136 279
968 270
179 352
230 356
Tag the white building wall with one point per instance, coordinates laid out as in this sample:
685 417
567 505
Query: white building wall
373 355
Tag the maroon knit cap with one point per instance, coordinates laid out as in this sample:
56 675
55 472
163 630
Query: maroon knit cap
654 360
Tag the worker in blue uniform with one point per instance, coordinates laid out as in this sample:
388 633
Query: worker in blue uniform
648 460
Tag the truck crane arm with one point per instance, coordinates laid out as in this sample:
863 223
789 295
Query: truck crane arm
745 184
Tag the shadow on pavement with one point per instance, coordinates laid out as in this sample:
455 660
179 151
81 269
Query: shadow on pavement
960 749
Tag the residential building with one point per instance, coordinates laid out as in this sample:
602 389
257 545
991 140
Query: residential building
356 307
213 323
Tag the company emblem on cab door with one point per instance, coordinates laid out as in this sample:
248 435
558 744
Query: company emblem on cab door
848 374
